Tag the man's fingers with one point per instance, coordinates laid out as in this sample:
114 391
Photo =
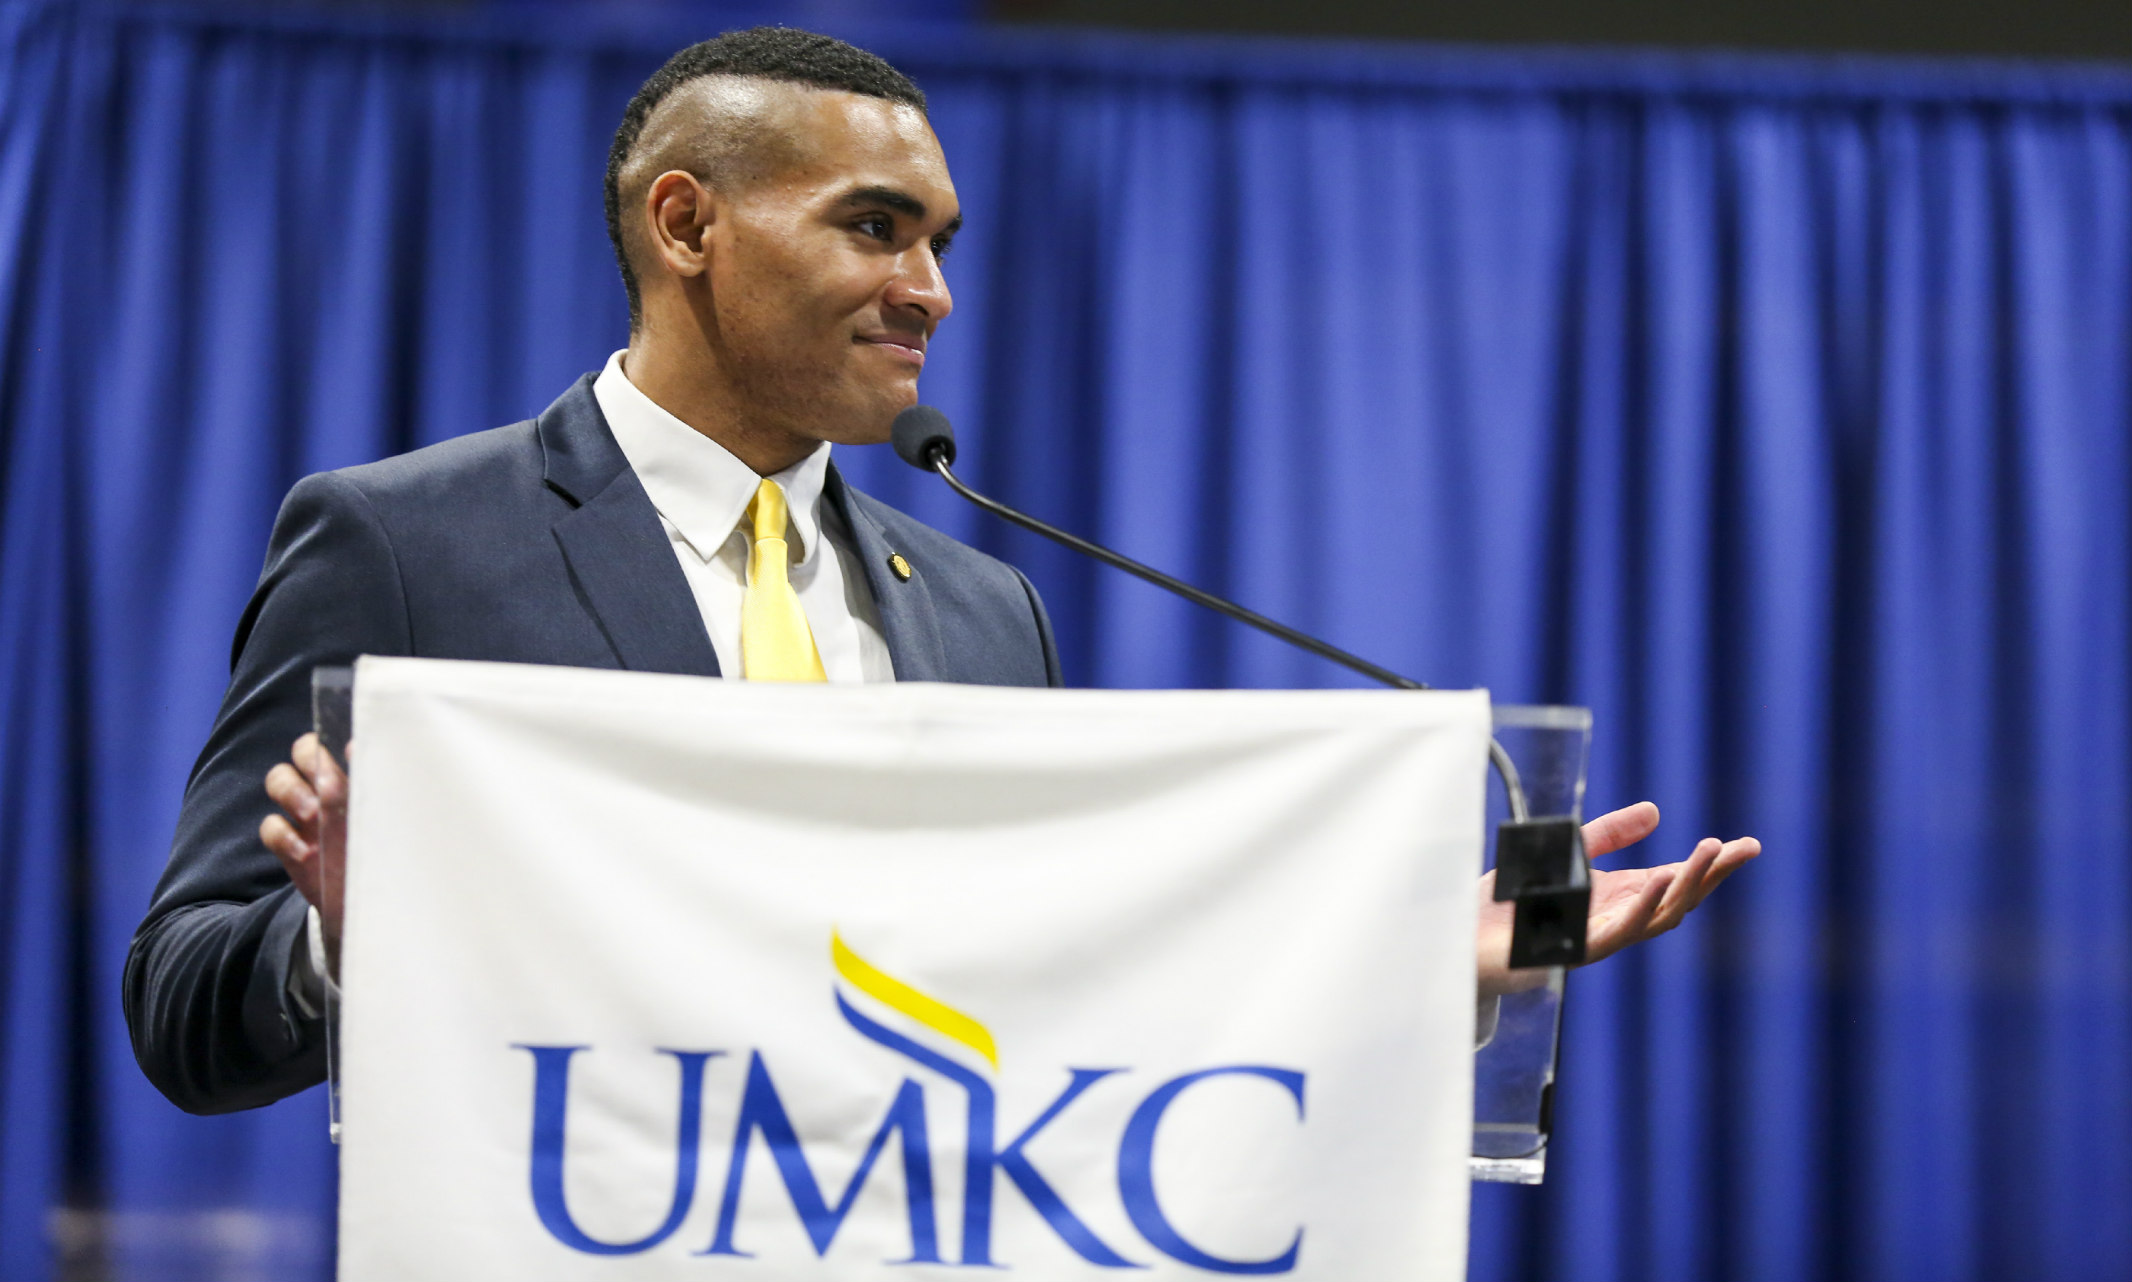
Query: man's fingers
1629 925
309 787
300 752
1730 860
318 764
1624 827
1688 887
1702 873
1666 896
280 836
299 857
1725 860
292 792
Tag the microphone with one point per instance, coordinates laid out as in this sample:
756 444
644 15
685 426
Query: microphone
1540 864
919 434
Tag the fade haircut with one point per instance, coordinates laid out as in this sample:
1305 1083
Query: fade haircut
760 53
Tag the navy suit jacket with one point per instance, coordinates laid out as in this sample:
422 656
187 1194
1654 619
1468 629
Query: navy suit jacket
533 543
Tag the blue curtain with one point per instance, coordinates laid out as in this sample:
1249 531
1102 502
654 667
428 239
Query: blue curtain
1776 410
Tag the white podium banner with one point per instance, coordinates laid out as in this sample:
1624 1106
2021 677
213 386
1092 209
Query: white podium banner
663 977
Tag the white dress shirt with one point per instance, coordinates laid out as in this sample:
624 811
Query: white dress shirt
702 494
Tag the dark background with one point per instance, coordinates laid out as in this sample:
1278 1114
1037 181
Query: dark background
2035 28
2059 29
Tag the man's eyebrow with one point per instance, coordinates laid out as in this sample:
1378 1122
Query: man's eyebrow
901 202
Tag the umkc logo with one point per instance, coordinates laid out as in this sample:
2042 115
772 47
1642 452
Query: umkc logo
762 1115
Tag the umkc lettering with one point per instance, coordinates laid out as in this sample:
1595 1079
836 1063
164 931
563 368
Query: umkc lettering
762 1113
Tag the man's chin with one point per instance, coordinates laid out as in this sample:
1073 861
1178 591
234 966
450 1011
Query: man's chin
869 424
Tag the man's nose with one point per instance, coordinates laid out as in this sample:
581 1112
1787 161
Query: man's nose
919 284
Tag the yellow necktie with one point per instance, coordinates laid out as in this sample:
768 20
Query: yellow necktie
775 643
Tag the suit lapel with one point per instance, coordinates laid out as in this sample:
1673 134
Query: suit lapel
618 552
909 622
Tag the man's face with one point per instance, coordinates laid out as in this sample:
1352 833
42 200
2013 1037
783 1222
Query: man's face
825 282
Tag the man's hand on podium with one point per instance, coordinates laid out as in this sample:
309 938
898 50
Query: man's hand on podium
310 836
1629 905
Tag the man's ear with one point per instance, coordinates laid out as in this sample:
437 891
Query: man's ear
679 211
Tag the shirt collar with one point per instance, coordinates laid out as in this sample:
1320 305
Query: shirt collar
695 482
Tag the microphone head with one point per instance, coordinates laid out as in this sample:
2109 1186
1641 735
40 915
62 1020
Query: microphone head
921 432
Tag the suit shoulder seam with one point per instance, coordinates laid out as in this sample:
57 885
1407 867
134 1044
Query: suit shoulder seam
392 552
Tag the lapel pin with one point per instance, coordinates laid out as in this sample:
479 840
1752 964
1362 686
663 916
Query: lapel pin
899 567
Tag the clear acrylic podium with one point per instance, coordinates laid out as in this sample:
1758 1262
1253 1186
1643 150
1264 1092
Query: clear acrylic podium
1514 1071
333 721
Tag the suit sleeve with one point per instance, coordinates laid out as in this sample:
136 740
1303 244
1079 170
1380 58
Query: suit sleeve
206 980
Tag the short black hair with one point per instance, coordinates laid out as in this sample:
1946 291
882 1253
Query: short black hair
765 53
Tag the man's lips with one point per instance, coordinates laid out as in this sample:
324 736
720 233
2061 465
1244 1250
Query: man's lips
905 347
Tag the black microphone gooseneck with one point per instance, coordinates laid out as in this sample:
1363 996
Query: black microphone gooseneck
924 439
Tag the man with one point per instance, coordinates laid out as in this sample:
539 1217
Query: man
779 207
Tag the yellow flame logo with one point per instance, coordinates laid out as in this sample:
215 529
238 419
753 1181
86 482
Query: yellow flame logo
897 995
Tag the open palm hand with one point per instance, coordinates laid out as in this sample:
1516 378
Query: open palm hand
1629 905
